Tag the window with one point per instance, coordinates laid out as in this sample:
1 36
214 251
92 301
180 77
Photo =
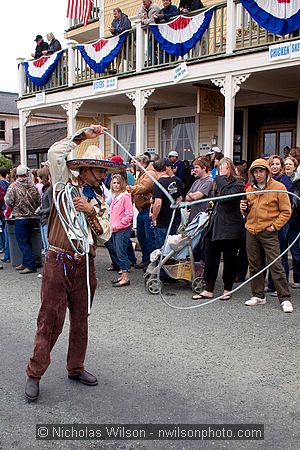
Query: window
179 134
125 133
275 141
2 130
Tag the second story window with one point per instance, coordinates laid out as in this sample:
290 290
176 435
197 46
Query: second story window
2 130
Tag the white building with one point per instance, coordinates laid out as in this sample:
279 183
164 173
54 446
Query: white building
237 91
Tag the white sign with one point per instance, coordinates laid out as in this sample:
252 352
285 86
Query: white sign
106 84
179 72
204 148
40 98
295 49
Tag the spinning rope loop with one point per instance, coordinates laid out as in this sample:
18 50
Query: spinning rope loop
76 223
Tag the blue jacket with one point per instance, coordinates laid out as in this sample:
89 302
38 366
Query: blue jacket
168 13
121 25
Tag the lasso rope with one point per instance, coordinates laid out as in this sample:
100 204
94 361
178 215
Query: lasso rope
78 224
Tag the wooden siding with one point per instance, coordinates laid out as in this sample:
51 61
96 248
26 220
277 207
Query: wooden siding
208 126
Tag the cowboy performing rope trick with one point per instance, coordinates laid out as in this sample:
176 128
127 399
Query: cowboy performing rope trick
69 280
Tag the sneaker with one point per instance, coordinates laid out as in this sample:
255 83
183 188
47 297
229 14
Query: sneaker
287 306
40 275
256 301
273 294
296 286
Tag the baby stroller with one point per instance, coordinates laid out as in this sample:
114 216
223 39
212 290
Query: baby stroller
178 258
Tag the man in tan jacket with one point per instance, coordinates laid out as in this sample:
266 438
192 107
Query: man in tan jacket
142 195
265 214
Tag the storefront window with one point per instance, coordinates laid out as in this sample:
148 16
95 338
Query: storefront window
179 134
125 133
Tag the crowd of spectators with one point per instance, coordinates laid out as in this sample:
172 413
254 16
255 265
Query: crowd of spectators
250 232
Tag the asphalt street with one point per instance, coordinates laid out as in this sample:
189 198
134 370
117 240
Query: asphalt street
223 363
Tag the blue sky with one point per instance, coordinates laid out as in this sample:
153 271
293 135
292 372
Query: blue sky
21 21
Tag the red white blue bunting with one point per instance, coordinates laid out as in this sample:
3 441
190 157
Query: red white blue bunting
181 34
39 71
102 52
276 16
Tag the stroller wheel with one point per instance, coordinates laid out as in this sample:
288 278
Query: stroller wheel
146 278
154 286
198 285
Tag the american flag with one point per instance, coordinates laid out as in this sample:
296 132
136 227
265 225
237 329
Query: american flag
80 9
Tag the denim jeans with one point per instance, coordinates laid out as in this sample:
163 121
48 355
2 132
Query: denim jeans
44 236
113 255
294 230
160 236
145 235
6 256
23 231
120 244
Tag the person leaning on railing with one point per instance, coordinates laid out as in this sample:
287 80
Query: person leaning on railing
167 13
186 6
54 44
120 22
40 47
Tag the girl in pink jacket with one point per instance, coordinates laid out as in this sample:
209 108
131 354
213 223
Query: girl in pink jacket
121 215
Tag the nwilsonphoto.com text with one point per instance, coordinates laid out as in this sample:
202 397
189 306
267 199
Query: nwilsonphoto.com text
150 432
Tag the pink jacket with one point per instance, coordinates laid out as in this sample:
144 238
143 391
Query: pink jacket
121 212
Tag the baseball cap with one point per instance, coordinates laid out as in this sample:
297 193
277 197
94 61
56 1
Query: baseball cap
38 37
173 153
117 159
22 170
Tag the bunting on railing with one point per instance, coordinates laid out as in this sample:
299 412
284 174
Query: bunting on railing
102 52
181 34
39 71
276 16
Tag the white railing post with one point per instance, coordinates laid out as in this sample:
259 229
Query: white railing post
71 63
21 76
231 27
139 46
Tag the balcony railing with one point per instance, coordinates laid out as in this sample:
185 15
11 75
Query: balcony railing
141 52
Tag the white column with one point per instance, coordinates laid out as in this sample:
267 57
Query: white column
71 109
140 52
139 99
101 19
230 85
298 126
231 26
21 76
24 116
71 62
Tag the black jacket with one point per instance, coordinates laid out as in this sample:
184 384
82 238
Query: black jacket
39 49
295 218
190 5
227 220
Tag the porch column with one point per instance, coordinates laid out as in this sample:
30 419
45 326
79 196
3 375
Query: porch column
21 76
139 48
71 62
71 109
230 85
24 116
231 26
139 99
298 126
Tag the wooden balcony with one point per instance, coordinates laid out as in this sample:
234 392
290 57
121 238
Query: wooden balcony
141 53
